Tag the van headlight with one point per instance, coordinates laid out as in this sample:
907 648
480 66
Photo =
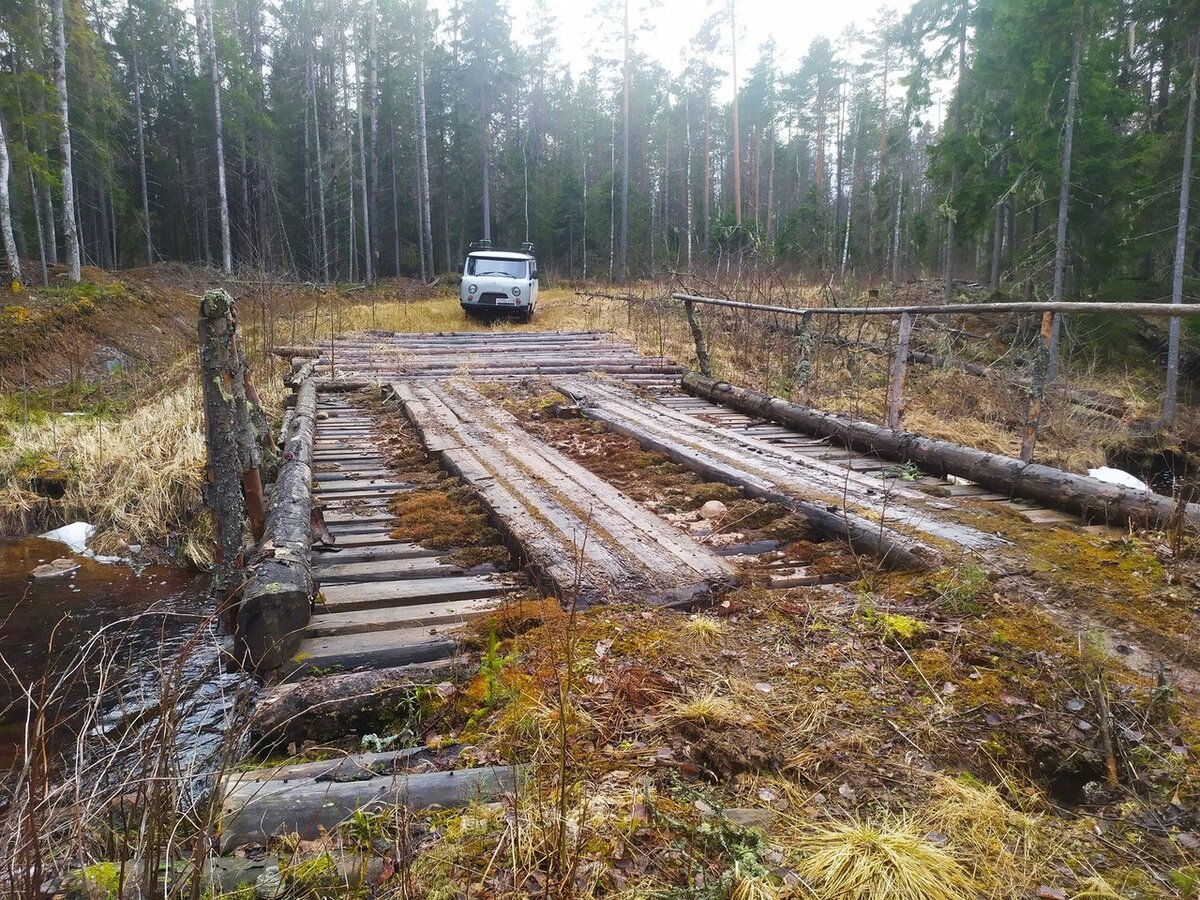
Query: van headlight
471 289
516 292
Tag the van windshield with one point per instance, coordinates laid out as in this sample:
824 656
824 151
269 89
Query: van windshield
486 265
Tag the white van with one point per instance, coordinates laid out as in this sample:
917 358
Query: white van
498 281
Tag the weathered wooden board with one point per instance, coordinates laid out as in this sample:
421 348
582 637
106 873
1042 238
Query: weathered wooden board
345 597
389 618
579 535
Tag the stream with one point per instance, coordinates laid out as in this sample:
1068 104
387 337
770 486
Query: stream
102 642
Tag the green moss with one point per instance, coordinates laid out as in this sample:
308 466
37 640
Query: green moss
959 589
100 881
315 877
904 630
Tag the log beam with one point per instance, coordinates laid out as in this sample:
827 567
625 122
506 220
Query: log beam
277 599
1043 484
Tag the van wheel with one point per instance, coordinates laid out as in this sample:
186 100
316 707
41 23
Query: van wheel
525 316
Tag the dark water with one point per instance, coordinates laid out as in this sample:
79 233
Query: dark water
106 638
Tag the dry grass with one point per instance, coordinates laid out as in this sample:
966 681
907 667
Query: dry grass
886 860
704 629
1003 843
136 479
708 709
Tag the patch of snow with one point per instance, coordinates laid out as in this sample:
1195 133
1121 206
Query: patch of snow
1118 477
75 536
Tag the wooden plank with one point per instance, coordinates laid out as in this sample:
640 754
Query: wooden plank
374 570
388 550
346 597
617 513
365 538
392 617
401 647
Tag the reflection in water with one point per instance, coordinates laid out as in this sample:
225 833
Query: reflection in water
105 643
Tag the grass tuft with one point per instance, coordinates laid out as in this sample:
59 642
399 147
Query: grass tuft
704 629
887 860
703 709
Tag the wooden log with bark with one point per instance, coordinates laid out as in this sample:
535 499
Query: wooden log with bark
330 706
277 598
1093 498
255 811
221 383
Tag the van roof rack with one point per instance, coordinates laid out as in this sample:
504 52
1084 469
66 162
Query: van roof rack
481 244
527 247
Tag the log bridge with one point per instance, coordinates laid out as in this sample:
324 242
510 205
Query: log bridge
385 611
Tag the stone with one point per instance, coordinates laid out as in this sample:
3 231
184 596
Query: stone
56 569
713 509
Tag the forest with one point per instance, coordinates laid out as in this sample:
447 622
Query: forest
342 140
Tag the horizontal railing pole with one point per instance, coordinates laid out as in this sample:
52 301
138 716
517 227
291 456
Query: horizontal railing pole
1161 310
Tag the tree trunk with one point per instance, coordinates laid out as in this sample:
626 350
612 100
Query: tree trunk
222 193
997 247
771 189
70 226
373 88
141 150
1064 198
626 76
1171 398
423 148
487 164
689 212
395 207
737 144
6 229
368 253
324 241
41 228
951 236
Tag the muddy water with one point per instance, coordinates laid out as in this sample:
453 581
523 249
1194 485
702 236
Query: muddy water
107 631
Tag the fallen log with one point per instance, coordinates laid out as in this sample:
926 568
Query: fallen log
277 598
292 351
1092 498
254 811
330 706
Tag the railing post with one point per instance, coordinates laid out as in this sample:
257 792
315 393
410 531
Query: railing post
221 382
697 336
1037 388
899 371
802 370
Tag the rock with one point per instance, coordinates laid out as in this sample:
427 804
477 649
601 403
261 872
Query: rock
700 529
56 569
269 885
713 509
761 819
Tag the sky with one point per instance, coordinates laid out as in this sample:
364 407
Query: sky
670 24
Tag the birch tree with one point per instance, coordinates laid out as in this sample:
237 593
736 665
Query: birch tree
219 133
423 163
70 227
1170 401
623 252
6 228
1064 196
